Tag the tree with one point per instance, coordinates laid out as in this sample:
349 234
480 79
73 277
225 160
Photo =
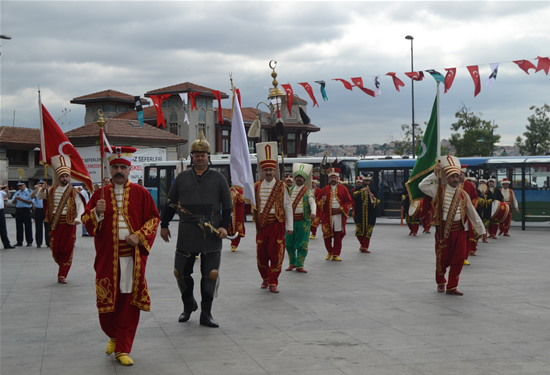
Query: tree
403 146
537 136
478 135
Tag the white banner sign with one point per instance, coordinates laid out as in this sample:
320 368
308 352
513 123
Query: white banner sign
92 161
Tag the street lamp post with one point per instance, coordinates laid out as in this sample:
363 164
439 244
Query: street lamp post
409 37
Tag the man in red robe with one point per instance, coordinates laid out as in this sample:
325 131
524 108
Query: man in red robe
237 218
335 205
64 206
123 218
510 199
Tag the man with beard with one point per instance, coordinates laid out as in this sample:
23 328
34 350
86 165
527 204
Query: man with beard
123 218
303 208
453 213
201 196
64 208
336 203
273 214
366 202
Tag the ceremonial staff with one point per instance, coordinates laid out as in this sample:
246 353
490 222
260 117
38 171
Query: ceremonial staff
101 124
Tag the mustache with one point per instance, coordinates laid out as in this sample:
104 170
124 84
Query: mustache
118 175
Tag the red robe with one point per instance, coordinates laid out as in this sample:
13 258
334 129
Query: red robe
237 219
142 219
345 201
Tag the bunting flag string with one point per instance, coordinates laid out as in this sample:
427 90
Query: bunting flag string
525 65
544 64
323 92
449 78
358 82
289 97
493 77
347 85
309 90
474 72
396 81
192 97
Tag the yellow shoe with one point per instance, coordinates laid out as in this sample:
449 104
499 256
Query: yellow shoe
125 360
233 248
336 258
312 237
110 349
329 256
466 263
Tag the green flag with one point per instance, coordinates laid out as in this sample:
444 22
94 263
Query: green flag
427 159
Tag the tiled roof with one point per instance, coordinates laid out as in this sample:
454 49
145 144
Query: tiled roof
19 137
148 113
185 87
128 131
107 95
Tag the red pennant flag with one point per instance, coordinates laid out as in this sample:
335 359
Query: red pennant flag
416 76
544 64
358 81
53 142
238 92
289 97
310 92
157 101
525 65
396 81
449 78
474 72
347 85
218 96
193 96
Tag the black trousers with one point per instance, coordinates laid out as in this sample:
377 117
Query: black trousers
4 229
184 266
41 227
23 218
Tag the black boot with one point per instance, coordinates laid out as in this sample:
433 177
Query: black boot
189 305
206 315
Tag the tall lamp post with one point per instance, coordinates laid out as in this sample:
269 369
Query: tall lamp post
7 37
409 37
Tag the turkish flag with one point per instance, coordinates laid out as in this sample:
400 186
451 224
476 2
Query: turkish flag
525 65
449 78
474 72
193 96
347 85
289 97
416 76
310 92
396 81
358 81
157 101
544 64
54 142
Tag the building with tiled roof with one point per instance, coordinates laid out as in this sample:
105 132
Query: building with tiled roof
19 154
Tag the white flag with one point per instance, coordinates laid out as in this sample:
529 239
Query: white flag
184 101
493 77
241 169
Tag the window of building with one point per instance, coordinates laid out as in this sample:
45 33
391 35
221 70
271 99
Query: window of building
291 143
225 141
18 157
202 116
173 127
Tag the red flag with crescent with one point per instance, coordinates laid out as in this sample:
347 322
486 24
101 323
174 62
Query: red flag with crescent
289 97
415 76
157 102
310 92
525 65
54 142
396 81
347 85
193 96
358 81
474 72
218 96
449 78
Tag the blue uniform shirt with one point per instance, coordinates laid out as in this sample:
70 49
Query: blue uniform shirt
25 194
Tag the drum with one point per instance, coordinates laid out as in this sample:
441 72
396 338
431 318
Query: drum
416 209
499 211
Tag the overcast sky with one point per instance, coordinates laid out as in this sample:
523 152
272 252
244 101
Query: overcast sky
75 48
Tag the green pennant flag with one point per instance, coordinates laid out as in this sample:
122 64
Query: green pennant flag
427 159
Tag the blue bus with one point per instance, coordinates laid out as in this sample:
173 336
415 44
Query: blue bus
529 176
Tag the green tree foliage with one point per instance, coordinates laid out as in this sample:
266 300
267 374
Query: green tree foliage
537 136
478 136
403 146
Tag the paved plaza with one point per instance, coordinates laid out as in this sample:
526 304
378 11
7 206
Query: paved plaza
376 313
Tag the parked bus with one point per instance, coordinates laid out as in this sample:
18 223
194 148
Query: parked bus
159 176
530 177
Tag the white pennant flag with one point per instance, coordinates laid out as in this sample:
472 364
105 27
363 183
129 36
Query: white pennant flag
184 101
493 77
377 91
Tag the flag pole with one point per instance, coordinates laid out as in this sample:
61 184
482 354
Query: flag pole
101 124
42 143
439 189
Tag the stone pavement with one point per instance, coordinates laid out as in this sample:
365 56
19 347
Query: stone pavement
376 313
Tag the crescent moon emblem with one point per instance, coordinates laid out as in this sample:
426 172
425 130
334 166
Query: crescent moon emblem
274 63
60 147
423 145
